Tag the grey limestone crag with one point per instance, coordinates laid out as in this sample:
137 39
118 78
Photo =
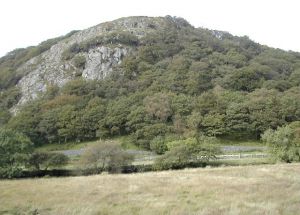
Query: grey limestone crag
50 68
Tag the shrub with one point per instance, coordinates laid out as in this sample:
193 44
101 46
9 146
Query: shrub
283 143
143 136
188 152
124 38
158 145
45 160
57 160
106 156
79 61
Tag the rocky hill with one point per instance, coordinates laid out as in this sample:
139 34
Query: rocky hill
141 75
94 62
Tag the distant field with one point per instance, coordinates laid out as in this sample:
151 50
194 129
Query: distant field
126 144
262 189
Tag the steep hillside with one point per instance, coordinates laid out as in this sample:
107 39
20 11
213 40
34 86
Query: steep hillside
155 79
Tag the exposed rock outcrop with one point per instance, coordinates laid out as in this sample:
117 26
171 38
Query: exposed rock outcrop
101 61
50 67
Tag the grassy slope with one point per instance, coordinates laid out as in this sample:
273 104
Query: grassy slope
74 145
265 189
126 144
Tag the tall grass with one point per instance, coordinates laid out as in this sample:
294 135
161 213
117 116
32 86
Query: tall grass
264 189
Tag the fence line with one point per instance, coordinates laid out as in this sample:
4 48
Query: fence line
241 156
150 159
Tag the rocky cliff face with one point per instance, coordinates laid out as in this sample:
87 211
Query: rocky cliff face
50 68
100 61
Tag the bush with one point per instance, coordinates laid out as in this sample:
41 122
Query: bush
79 61
106 156
283 143
158 145
189 152
45 160
125 38
143 136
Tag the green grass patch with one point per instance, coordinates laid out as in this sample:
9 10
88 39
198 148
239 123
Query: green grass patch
237 142
124 140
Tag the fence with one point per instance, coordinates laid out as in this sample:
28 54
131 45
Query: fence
241 156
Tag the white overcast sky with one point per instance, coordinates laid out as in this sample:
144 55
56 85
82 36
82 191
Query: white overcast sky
270 22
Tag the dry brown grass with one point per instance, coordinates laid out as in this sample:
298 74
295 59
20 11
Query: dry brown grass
265 189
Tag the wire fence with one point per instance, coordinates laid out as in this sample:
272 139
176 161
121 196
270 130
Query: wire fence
151 158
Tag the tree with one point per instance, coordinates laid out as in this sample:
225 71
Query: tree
15 149
295 77
290 101
183 152
213 124
66 123
234 58
106 156
265 110
26 122
177 74
48 125
158 144
39 160
158 106
118 111
283 143
181 104
237 120
93 118
145 134
245 79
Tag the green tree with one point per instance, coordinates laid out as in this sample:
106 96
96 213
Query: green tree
44 160
15 149
237 120
27 121
145 134
48 126
295 77
93 118
290 101
245 79
67 129
182 153
158 145
283 144
265 110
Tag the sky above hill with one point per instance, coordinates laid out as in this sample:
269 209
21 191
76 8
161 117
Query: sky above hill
269 22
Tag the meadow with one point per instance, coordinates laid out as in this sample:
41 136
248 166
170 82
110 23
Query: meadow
259 189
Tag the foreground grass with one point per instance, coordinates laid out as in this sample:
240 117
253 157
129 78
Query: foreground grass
265 189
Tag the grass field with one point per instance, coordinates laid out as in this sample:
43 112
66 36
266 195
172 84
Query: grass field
262 189
125 141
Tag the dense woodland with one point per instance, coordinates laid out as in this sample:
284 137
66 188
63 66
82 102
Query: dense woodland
179 82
